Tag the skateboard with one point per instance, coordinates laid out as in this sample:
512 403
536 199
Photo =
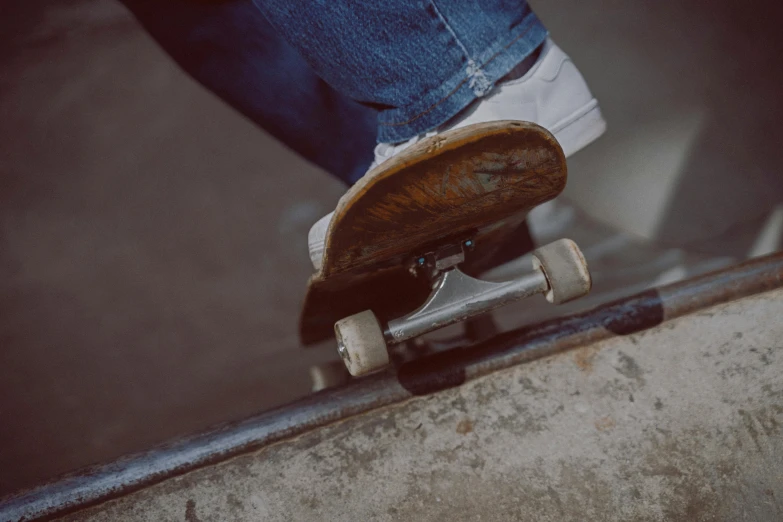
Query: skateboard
398 243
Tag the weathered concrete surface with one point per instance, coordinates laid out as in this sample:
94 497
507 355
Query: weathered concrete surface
680 422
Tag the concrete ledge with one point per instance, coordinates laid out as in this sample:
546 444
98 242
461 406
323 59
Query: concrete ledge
647 415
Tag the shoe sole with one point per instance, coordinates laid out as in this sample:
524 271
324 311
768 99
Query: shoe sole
579 129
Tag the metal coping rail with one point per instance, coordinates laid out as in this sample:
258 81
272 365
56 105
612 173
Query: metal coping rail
439 371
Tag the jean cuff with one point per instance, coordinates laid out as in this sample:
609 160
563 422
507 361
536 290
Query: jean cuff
473 81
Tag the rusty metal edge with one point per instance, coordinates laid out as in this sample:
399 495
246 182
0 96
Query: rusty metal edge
627 316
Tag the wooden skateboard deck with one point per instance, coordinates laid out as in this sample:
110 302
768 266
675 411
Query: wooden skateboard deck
477 183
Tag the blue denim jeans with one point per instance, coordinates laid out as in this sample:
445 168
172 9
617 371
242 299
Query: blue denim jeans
231 49
419 61
329 77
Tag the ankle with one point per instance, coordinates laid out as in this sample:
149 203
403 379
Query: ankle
519 71
523 67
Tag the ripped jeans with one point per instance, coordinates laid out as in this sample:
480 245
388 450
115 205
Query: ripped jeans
419 61
329 77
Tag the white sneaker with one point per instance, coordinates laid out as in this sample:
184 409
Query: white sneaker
552 94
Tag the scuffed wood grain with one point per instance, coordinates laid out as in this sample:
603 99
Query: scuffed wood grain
472 179
479 181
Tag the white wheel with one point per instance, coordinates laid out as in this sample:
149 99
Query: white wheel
565 269
328 375
361 344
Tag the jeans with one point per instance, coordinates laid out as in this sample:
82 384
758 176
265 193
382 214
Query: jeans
420 62
329 77
231 49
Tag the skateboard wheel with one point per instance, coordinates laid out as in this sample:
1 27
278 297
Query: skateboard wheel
328 375
565 269
361 344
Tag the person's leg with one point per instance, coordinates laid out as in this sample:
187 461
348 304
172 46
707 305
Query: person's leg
231 49
421 62
436 65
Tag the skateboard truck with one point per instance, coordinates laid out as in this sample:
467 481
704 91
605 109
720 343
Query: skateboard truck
559 271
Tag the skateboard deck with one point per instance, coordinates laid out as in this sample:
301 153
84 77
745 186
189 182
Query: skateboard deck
472 184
